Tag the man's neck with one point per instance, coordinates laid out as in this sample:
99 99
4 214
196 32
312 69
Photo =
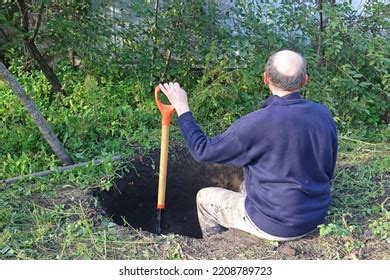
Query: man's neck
281 92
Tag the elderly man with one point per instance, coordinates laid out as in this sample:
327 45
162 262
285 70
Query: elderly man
288 151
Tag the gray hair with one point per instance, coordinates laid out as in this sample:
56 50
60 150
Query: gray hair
289 83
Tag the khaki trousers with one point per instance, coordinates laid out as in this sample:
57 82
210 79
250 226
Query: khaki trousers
219 209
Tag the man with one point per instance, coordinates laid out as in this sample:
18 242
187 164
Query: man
288 151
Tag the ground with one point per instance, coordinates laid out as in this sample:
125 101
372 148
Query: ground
133 202
50 219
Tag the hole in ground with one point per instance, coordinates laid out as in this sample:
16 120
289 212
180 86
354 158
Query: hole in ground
133 198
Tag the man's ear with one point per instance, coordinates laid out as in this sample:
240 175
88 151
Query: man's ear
266 78
306 80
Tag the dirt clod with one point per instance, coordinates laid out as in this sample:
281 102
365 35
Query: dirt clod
287 250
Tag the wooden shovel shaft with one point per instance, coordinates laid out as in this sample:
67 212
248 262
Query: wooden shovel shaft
162 180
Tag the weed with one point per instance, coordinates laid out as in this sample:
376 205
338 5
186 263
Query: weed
381 226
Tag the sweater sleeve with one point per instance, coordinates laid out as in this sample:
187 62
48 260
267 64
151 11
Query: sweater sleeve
224 148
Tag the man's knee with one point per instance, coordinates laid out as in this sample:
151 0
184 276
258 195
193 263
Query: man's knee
207 195
202 195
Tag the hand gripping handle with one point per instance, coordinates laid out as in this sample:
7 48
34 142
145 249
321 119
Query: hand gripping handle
165 109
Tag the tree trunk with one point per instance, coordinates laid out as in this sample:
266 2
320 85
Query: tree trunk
37 116
29 42
46 69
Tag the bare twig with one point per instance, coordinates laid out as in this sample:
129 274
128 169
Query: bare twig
321 30
156 10
2 32
358 141
24 15
39 21
60 169
155 29
167 62
345 223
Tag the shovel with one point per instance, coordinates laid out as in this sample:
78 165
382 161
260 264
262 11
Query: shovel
166 114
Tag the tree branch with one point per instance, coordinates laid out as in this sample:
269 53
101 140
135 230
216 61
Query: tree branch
33 49
23 12
321 30
155 28
39 21
167 62
156 8
2 32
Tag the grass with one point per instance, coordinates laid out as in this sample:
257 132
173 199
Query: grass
60 218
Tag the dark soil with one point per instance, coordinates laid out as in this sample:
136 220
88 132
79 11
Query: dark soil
133 199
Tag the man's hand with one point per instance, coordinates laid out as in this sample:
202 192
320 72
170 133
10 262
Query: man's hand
177 96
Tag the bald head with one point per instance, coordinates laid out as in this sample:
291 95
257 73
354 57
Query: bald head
286 70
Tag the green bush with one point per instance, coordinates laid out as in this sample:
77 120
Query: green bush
109 106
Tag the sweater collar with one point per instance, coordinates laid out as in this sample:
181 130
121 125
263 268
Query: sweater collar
291 98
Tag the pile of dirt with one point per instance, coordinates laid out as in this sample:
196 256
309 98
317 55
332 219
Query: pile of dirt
133 199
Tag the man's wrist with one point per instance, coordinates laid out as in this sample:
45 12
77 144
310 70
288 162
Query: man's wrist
181 111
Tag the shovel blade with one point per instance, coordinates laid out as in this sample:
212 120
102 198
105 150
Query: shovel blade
160 215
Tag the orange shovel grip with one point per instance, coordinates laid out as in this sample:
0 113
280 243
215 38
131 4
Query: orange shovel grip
165 109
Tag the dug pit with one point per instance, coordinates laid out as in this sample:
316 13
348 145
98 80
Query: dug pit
132 201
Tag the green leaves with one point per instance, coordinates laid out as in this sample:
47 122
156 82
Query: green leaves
333 229
217 57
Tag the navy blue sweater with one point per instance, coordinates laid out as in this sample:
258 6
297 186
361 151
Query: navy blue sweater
288 151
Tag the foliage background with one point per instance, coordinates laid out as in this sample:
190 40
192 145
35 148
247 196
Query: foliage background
217 53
